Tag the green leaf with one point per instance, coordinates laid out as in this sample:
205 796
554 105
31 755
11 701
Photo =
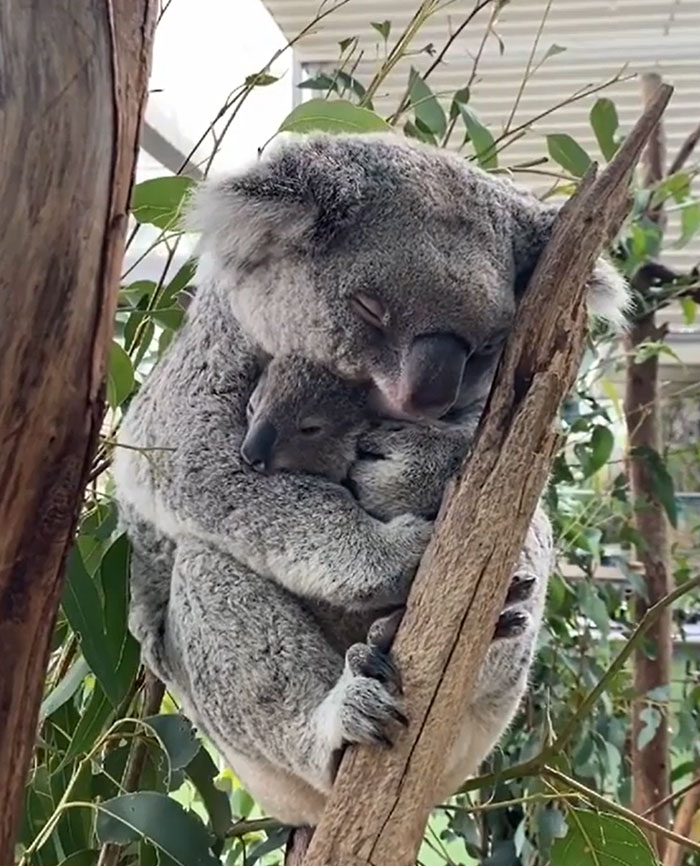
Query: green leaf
177 736
661 481
690 222
568 153
91 725
120 644
178 834
552 51
597 453
600 839
322 81
461 97
651 718
349 82
182 280
65 690
383 28
260 79
160 201
120 375
335 116
551 825
605 123
202 771
480 137
82 605
427 109
690 309
660 694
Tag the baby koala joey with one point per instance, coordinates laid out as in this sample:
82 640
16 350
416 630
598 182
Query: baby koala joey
303 418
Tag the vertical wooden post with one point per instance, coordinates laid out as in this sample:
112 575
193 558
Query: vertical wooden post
73 83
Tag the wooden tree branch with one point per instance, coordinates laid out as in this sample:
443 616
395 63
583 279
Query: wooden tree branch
650 764
685 150
73 79
381 801
683 821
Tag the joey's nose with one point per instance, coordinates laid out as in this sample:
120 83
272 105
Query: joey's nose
258 445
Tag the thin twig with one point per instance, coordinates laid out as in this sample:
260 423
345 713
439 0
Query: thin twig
604 803
685 151
673 796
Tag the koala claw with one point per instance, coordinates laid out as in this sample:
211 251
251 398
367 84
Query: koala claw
521 587
511 623
365 660
383 630
368 703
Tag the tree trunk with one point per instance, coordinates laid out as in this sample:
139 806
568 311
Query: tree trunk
73 79
650 764
380 802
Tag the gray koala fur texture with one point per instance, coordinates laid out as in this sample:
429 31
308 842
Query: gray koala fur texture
266 602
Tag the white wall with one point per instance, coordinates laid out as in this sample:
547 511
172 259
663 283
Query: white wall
203 50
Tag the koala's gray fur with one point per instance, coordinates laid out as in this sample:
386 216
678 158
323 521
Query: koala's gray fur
251 593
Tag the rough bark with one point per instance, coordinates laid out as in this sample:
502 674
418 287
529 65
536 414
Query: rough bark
380 802
73 81
650 765
682 824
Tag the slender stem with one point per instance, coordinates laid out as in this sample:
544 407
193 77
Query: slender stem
604 803
672 796
535 765
649 618
528 67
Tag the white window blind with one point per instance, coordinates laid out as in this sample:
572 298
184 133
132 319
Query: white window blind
599 37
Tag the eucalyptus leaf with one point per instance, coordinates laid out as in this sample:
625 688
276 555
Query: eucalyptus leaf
480 137
65 690
651 719
427 109
605 123
177 736
334 116
161 821
120 375
160 201
600 839
568 153
202 771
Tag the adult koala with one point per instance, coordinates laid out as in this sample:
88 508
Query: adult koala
393 264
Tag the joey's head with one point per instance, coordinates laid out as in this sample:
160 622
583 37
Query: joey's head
389 262
303 418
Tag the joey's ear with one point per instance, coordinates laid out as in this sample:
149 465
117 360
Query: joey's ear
608 292
296 197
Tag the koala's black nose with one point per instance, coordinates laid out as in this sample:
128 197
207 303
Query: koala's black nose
258 445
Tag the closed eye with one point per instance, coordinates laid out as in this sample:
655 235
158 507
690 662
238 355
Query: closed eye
310 428
371 311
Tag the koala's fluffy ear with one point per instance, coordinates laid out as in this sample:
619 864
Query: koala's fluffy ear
608 292
283 203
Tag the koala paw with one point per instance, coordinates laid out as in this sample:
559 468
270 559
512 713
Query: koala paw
367 702
515 621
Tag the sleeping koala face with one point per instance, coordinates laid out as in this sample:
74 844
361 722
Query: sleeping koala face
391 263
302 418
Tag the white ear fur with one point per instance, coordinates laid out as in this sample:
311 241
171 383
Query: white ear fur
242 228
609 296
